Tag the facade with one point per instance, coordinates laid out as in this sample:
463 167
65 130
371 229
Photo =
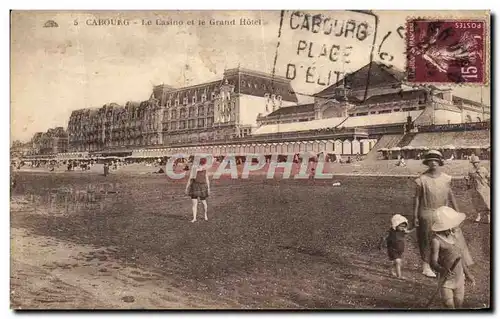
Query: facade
214 111
221 110
115 127
54 141
375 89
249 110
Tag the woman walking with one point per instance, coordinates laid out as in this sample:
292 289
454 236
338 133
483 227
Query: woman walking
198 187
479 181
433 191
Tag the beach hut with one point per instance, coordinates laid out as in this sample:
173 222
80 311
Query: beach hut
385 152
449 152
408 151
394 152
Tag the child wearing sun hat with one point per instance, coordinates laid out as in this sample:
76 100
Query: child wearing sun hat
395 241
445 250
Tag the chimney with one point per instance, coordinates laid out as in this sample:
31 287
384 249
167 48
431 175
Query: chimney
448 95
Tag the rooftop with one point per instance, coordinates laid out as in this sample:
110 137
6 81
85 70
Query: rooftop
301 108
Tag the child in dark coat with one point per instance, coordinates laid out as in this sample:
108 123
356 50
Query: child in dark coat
395 240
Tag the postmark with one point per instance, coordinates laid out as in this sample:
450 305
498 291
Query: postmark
316 49
450 51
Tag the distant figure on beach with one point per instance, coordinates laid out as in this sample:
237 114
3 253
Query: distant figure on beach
198 187
106 169
401 162
433 191
478 181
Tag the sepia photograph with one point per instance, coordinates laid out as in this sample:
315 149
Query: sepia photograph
250 160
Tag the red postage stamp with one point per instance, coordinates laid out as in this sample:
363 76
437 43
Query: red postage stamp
446 51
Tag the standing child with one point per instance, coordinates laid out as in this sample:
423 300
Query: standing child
396 242
445 250
198 187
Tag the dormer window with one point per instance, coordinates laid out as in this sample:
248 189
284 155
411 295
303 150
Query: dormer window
203 97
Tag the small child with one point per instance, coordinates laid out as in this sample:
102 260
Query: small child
395 240
446 249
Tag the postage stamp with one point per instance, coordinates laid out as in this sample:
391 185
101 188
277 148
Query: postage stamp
446 51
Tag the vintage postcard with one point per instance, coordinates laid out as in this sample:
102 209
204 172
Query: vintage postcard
286 159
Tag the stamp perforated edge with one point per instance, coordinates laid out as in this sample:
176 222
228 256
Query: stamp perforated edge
486 45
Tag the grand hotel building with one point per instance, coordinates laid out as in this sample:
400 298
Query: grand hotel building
214 111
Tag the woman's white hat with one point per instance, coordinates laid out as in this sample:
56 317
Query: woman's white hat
397 220
447 218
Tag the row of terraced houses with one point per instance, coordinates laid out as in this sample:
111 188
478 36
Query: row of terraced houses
246 107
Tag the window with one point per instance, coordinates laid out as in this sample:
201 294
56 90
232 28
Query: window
201 111
194 99
384 111
203 97
176 103
191 111
185 100
213 95
201 122
169 103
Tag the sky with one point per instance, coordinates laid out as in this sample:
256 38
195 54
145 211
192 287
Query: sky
81 64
